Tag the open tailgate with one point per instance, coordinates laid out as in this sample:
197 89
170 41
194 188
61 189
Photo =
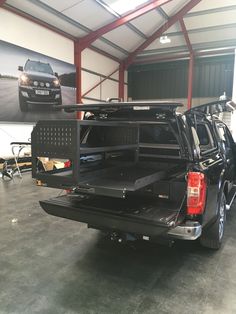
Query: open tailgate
149 217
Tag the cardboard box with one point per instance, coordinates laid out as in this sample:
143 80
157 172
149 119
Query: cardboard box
49 164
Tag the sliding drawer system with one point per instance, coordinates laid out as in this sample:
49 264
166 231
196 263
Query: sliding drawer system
104 157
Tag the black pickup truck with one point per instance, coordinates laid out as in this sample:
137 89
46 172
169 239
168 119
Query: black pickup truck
38 85
141 170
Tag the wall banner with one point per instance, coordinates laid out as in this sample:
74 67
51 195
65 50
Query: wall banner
32 85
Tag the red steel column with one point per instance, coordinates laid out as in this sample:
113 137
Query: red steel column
190 80
78 66
121 81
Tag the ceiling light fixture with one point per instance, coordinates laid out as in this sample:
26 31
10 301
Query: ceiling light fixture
165 39
123 6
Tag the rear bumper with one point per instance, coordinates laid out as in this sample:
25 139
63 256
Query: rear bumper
191 230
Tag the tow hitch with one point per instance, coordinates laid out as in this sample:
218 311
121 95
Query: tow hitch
128 237
123 237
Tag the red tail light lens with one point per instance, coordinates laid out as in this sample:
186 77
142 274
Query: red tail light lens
196 195
67 164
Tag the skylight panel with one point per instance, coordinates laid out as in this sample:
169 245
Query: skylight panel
123 6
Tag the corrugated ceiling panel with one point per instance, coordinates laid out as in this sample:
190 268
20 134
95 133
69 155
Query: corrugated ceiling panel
216 35
90 14
149 22
175 41
61 5
109 49
111 2
174 6
124 37
46 16
220 18
211 4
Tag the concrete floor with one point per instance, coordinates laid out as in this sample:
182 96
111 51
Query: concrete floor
52 265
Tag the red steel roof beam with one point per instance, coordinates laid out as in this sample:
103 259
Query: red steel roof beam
91 37
172 20
186 37
2 2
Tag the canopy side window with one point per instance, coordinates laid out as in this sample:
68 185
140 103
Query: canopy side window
203 138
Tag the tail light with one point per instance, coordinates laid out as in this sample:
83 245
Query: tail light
67 164
68 191
196 195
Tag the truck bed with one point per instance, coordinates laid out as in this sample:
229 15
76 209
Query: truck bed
118 180
146 216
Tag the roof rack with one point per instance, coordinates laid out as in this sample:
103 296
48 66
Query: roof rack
104 107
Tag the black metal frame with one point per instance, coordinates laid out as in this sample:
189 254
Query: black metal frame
107 107
61 140
56 139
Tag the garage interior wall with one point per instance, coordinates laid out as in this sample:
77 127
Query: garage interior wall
211 78
95 68
22 32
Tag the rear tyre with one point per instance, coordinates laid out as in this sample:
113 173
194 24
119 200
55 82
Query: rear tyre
212 237
23 104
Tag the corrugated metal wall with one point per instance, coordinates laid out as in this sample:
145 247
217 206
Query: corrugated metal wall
212 76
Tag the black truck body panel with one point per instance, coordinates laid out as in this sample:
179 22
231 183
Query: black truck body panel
126 176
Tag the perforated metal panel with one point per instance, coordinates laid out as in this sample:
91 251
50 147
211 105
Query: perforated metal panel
61 140
55 139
